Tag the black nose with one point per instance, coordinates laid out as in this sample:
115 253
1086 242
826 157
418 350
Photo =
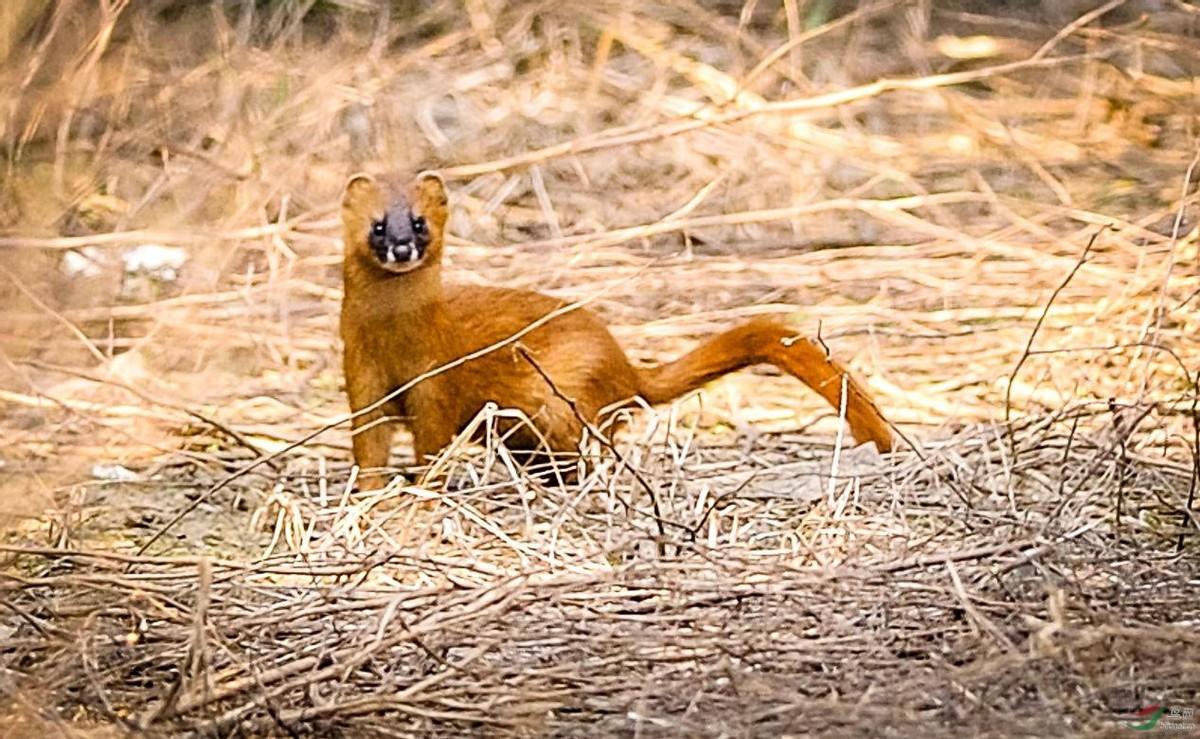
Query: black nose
399 253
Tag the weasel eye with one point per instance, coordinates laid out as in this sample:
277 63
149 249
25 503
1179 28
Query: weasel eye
418 225
377 228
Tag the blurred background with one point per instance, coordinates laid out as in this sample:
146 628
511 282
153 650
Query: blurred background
987 209
910 179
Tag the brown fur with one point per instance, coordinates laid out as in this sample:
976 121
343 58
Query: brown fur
399 321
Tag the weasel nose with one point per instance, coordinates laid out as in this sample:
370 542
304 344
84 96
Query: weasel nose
401 251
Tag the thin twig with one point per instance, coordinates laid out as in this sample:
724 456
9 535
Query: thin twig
604 441
1012 378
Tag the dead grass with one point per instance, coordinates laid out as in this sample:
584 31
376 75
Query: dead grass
992 218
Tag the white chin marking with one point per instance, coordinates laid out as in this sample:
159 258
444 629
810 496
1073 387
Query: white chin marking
413 255
389 257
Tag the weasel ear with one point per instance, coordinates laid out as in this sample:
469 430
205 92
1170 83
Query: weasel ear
358 187
432 187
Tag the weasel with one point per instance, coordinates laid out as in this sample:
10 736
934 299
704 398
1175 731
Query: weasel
400 319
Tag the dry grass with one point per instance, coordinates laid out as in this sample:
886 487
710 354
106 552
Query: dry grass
992 218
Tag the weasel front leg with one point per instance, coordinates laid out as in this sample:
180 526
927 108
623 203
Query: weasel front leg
366 383
433 419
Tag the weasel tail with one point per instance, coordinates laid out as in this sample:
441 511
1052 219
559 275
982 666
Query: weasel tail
766 342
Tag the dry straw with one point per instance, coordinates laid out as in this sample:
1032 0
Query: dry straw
992 218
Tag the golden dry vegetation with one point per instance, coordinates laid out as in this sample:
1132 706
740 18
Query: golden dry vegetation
989 210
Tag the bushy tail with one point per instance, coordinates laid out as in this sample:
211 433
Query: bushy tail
766 342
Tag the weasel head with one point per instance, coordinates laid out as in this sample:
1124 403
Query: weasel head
396 228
